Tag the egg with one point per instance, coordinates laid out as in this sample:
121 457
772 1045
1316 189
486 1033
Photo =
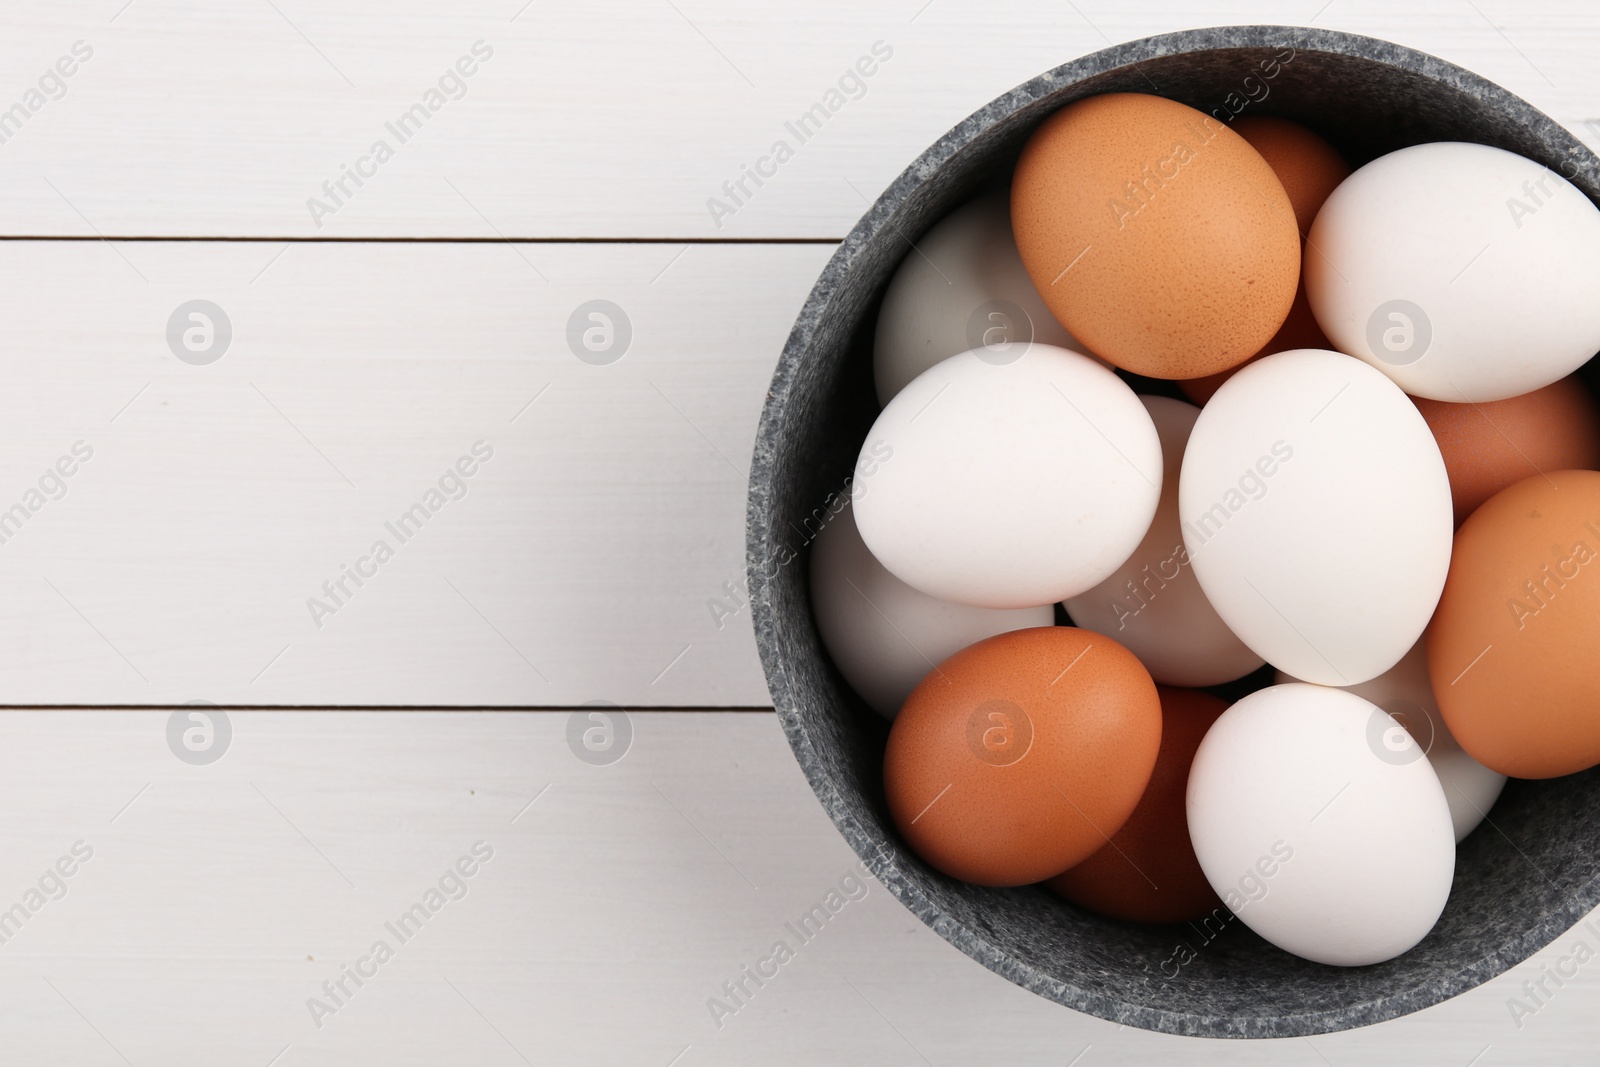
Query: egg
1487 447
1405 693
1310 169
1147 872
1312 837
1464 272
1155 233
1021 755
882 634
1009 484
1299 330
1153 605
1514 649
962 287
1316 514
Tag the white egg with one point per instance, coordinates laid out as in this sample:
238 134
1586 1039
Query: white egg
883 635
962 287
1311 835
1009 484
1405 693
1153 605
1464 272
1317 515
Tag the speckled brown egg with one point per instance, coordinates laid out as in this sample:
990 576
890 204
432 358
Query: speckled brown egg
1299 330
1512 648
1310 169
1148 871
1155 234
1489 446
1021 755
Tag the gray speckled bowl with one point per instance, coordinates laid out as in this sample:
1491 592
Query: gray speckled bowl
1521 879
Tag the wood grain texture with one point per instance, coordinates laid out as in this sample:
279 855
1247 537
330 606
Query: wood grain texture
589 120
181 562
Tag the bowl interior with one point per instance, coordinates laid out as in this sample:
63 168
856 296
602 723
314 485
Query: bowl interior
1522 878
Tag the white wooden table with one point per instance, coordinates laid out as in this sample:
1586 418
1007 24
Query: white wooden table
376 337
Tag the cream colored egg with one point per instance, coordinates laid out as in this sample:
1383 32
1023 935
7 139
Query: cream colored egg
1310 836
1465 273
1009 484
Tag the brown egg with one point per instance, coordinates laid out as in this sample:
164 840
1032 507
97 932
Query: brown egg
1487 447
1021 755
1155 234
1514 647
1148 872
1310 169
1299 330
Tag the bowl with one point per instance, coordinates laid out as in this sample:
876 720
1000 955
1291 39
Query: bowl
1522 878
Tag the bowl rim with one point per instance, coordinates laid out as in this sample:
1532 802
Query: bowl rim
775 660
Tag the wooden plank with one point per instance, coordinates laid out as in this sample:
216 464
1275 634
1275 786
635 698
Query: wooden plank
182 560
219 898
622 118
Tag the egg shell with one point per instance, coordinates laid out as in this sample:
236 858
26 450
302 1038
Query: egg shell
1466 273
1512 650
1487 447
1155 234
1299 330
1153 604
1405 693
1308 167
1147 872
1311 838
1316 512
962 287
1022 754
882 634
1009 484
